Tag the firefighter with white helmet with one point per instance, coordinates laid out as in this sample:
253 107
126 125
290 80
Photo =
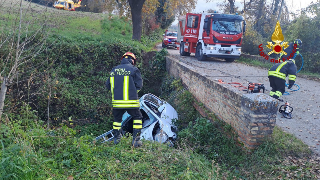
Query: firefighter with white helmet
124 83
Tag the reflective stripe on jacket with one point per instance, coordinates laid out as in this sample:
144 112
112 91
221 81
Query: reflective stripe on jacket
283 70
125 81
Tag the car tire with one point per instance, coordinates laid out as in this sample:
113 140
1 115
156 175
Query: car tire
163 45
182 52
229 59
199 53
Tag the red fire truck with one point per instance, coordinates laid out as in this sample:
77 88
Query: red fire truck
211 35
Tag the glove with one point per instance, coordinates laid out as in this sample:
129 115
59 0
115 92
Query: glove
297 53
290 86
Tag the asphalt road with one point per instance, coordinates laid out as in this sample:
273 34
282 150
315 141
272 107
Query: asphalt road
305 123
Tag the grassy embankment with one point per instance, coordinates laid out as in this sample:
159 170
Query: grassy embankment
82 47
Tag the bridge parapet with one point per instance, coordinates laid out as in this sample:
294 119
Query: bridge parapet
252 116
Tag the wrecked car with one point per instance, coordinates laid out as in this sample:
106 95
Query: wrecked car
157 121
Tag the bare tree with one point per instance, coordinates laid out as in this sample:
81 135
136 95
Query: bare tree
21 40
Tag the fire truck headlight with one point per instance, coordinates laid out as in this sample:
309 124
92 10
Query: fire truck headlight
238 49
166 39
211 48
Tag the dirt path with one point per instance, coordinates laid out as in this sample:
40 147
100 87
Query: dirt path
305 123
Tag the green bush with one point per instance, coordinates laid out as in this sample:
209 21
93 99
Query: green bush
251 41
44 154
310 38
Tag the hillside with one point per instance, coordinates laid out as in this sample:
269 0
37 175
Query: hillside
57 104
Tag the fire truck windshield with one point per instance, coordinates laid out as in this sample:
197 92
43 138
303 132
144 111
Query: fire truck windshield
227 26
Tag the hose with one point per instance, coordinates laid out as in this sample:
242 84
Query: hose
296 89
301 61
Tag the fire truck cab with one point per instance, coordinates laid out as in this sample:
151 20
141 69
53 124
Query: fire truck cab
211 35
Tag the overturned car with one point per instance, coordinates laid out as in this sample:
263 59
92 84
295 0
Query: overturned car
157 121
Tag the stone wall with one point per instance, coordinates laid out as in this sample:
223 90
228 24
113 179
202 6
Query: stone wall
252 116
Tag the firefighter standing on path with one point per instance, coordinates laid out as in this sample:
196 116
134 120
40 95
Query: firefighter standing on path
125 82
277 77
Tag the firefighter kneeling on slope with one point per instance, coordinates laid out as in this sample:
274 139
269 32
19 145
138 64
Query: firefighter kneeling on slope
125 82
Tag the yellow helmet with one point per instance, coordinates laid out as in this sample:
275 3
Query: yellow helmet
131 55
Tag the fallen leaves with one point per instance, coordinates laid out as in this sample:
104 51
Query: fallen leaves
301 167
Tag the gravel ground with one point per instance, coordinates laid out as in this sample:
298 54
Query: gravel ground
305 123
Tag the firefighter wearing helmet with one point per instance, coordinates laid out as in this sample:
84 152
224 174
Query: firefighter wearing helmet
296 43
277 74
124 83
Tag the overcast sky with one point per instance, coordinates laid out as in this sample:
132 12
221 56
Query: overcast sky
202 5
293 5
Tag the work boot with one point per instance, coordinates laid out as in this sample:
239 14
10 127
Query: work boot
281 100
117 136
136 138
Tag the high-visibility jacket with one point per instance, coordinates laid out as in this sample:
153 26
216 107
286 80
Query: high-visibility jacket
124 83
283 70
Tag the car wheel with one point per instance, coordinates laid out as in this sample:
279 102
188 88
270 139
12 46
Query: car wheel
182 52
229 59
199 53
163 45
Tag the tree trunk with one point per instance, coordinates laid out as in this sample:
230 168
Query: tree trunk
244 6
231 2
259 20
3 95
136 11
276 5
280 10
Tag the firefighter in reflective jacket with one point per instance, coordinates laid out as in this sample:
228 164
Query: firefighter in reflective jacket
124 83
277 77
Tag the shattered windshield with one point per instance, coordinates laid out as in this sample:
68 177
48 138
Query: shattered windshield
153 100
226 26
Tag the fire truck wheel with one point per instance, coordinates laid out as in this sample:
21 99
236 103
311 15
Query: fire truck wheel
182 52
163 45
199 53
229 59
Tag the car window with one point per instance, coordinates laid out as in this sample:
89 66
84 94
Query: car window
192 21
172 34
